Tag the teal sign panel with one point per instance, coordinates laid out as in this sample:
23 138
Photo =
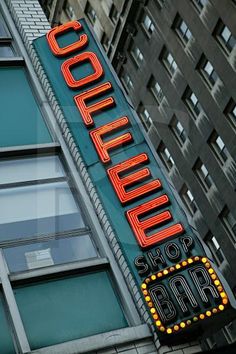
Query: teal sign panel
180 283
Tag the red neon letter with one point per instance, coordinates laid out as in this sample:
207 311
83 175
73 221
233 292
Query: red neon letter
85 110
139 227
65 68
120 184
103 147
54 32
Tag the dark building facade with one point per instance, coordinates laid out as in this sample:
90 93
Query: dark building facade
177 61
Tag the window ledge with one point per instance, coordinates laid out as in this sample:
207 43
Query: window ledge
98 341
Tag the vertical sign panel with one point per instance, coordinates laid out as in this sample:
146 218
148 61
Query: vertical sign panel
179 282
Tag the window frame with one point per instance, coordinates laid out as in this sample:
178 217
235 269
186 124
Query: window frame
230 112
149 29
178 22
90 13
230 228
205 180
136 54
215 248
171 67
158 95
165 156
191 105
209 78
219 29
222 154
178 132
146 119
188 200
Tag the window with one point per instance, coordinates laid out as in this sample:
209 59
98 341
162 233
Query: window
125 78
225 37
69 11
32 129
113 14
160 3
105 40
169 62
200 4
207 71
188 200
178 131
136 54
219 147
90 12
229 222
30 209
215 248
203 175
147 24
193 103
87 309
145 117
165 156
6 47
182 30
230 111
155 89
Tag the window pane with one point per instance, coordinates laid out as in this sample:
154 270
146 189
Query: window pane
43 254
90 306
6 346
6 51
38 209
30 169
21 119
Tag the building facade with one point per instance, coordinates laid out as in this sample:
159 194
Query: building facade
176 60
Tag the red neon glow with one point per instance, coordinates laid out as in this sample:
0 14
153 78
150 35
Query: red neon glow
103 147
120 184
85 110
139 227
56 31
69 63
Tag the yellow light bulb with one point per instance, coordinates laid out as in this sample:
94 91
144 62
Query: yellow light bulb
153 277
144 286
221 307
190 260
216 282
204 260
158 323
202 316
147 298
208 313
223 294
178 266
165 272
169 330
184 263
176 327
153 310
182 325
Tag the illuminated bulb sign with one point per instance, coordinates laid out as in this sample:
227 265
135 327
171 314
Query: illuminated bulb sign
181 286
